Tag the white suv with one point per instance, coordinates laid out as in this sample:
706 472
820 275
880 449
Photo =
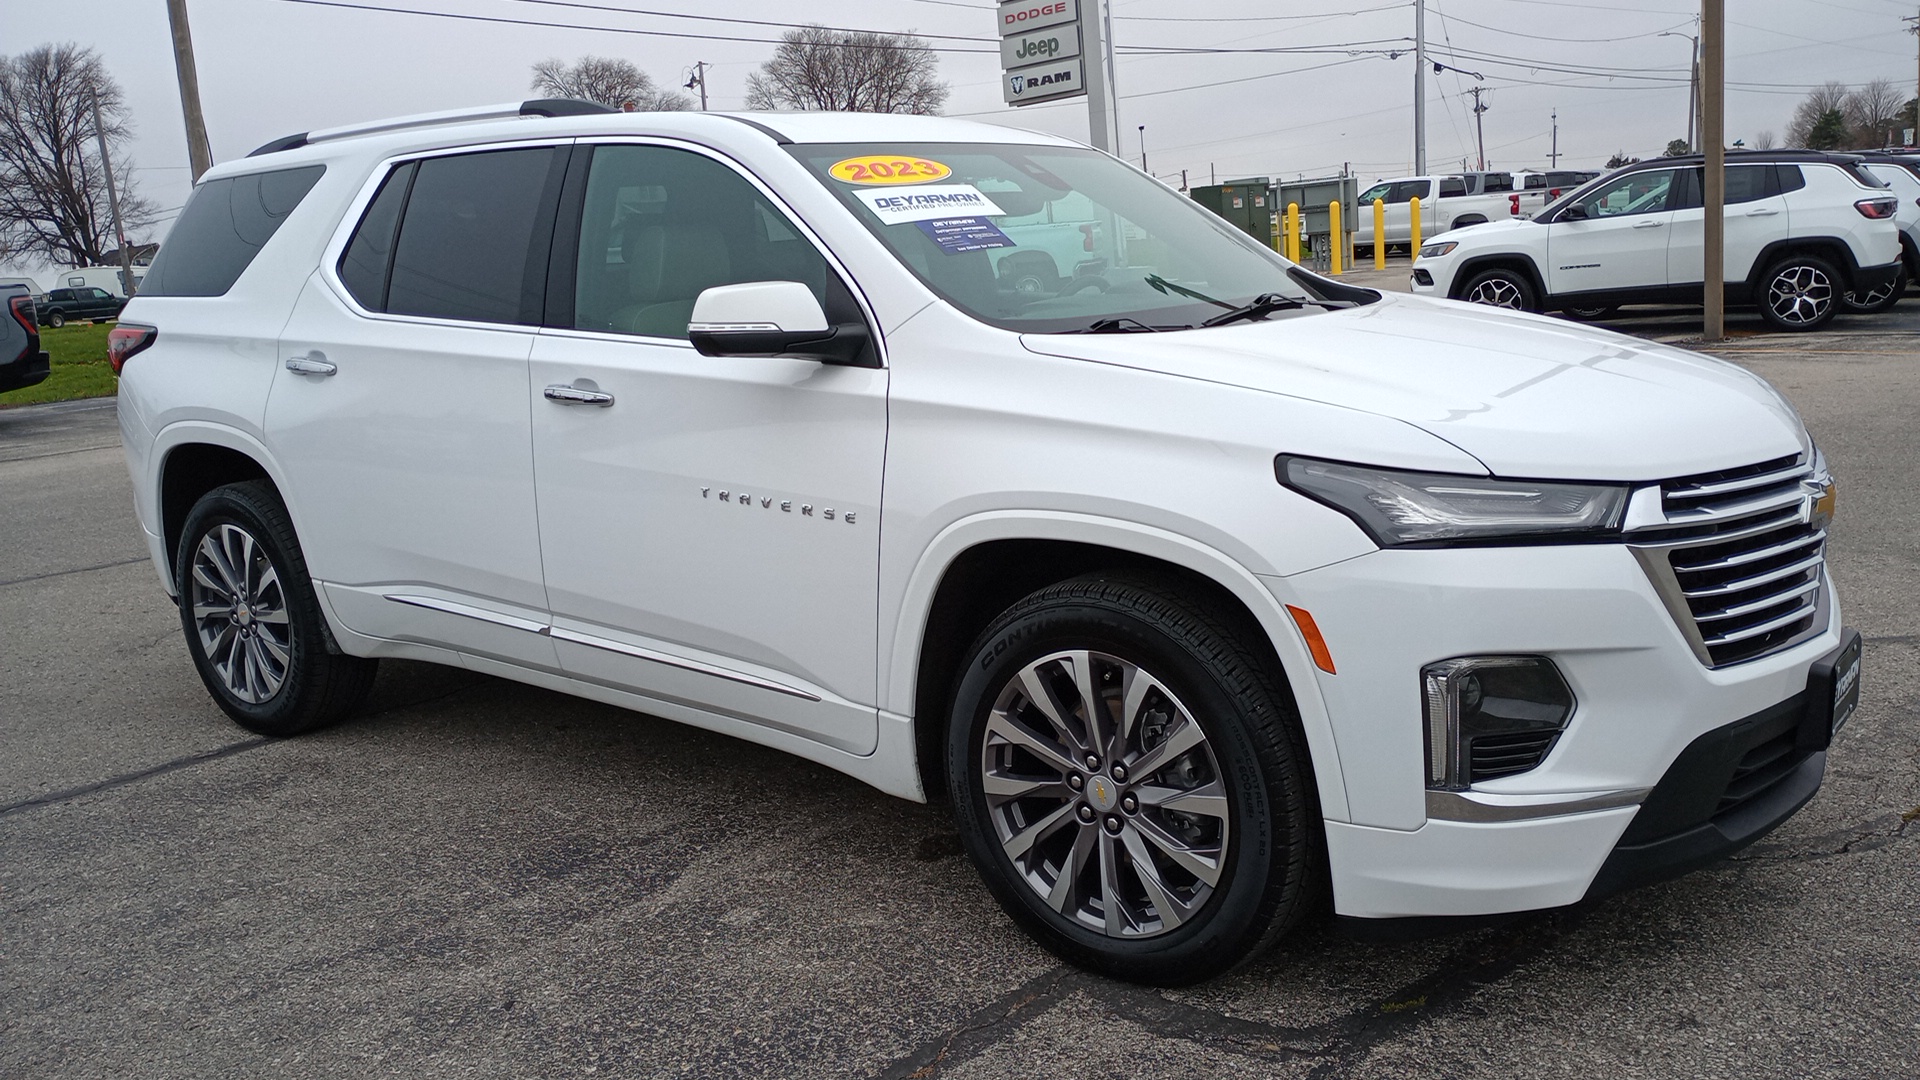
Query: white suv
1803 229
1200 584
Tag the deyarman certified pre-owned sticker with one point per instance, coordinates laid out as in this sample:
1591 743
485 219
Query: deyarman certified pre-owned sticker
926 203
887 169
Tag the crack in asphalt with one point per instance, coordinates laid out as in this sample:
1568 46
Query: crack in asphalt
190 760
1868 835
1336 1044
75 570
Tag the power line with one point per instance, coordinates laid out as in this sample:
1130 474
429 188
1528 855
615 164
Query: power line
1257 18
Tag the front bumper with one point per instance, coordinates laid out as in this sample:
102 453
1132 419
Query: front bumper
1725 790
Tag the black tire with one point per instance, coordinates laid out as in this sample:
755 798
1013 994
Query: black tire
315 687
1800 292
1876 301
1501 287
1589 314
56 319
1270 873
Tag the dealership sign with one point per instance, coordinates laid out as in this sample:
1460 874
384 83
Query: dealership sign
1040 51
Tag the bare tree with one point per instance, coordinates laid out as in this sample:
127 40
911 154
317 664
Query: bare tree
1872 112
1764 141
53 192
610 81
817 68
1828 97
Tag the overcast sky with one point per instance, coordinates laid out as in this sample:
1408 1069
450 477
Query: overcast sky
271 67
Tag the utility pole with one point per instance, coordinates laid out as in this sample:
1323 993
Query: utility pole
198 153
1479 125
1143 149
1713 84
1420 87
1183 180
1915 31
1553 155
113 200
698 77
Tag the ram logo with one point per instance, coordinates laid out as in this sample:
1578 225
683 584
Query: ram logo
1018 82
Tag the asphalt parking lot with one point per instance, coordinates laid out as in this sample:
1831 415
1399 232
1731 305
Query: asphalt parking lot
481 879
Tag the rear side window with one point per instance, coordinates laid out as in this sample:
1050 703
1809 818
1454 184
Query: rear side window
369 256
474 237
1789 178
1499 182
1452 187
225 224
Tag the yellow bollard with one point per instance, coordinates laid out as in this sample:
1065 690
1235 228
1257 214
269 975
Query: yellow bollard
1336 237
1379 234
1293 232
1413 208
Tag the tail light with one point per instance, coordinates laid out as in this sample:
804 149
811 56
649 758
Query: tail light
1876 208
126 339
21 308
1513 205
1086 238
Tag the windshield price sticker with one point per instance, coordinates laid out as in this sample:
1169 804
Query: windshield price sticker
927 203
957 236
887 169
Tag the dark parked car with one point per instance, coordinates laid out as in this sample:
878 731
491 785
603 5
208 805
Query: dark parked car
65 305
21 361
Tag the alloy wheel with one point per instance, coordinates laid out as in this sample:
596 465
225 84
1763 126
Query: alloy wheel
1496 292
1800 294
240 613
1105 794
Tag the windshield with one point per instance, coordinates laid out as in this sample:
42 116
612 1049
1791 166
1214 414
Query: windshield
1044 239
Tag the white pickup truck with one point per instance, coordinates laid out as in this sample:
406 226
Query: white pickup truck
1446 202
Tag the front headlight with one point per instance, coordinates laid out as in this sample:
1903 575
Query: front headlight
1397 508
1435 250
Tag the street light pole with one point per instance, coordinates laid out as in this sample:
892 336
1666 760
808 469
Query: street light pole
1693 82
1143 148
1420 87
1713 73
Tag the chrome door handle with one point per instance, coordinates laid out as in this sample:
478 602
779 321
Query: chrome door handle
312 364
573 395
1647 224
1762 212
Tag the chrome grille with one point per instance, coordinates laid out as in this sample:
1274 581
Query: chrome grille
1737 559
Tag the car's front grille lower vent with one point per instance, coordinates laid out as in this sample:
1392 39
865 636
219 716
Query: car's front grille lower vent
1743 564
1494 756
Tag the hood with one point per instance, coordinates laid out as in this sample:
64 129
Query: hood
1467 233
1527 395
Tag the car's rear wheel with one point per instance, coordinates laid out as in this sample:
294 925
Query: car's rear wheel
1875 301
1501 288
1132 782
1799 292
56 319
252 622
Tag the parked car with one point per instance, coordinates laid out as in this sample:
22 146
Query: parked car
1202 593
1901 174
1446 203
101 277
22 364
1538 189
71 305
1802 228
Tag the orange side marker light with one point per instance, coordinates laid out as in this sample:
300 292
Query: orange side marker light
1316 645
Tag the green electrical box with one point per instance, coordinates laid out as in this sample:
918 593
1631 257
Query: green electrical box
1246 204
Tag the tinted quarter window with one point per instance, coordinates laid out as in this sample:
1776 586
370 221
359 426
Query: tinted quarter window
1452 187
1499 182
660 225
225 224
369 255
1789 178
475 235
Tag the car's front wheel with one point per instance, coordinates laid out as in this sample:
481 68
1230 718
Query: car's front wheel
1800 292
1877 300
1501 288
252 622
1132 782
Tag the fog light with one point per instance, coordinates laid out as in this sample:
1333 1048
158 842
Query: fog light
1491 716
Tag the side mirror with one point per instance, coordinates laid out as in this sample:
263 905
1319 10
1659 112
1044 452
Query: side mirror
1576 212
771 318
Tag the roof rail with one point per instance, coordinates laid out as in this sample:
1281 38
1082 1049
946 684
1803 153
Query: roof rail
534 107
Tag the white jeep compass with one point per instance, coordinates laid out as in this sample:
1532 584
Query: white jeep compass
1202 586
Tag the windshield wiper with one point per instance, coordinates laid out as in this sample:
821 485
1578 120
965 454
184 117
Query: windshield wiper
1124 325
1258 308
1160 284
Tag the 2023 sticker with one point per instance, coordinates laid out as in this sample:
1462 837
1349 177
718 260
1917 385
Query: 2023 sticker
887 169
